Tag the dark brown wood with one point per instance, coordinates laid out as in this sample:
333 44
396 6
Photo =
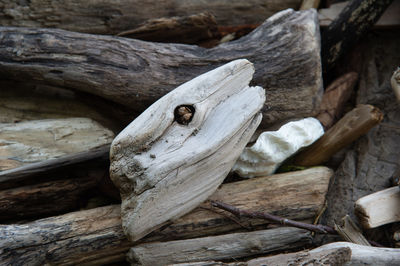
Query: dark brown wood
354 21
95 236
136 73
105 17
188 29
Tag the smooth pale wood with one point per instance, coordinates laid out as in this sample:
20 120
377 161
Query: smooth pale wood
353 125
389 18
307 4
350 232
335 97
103 17
356 19
35 172
92 236
187 29
136 73
44 199
39 140
165 169
222 247
379 208
395 82
337 253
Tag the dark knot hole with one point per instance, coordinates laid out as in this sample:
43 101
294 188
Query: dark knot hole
184 114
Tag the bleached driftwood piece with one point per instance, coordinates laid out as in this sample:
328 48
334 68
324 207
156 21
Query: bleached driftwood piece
273 147
230 246
335 97
379 208
337 253
395 82
135 73
354 124
93 237
39 140
307 4
176 153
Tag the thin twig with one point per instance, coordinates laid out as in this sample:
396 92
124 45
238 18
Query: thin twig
319 228
233 219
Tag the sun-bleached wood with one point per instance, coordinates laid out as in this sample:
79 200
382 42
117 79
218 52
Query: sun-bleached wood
135 73
93 237
354 124
164 168
222 247
379 208
39 140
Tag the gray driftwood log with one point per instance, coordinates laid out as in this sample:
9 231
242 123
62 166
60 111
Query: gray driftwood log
285 51
105 17
95 236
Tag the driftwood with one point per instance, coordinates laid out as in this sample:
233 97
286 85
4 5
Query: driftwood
136 73
95 236
395 82
379 208
354 21
350 232
338 253
189 29
223 247
335 97
307 4
97 16
40 140
175 154
353 125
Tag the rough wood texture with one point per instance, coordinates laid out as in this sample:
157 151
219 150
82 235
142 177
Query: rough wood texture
335 97
136 73
350 232
354 21
353 125
188 29
175 154
95 236
375 158
223 247
104 17
39 140
379 208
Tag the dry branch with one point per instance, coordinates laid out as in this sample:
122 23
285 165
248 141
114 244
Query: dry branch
95 236
136 73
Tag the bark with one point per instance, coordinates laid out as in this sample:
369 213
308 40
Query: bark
105 17
95 236
136 73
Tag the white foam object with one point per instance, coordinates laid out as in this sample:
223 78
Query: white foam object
274 147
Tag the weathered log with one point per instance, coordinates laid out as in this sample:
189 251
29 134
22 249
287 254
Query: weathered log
337 253
223 247
95 236
354 21
36 172
103 17
353 125
176 153
188 29
39 140
335 97
379 208
136 73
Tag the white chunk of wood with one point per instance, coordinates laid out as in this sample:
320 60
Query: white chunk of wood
395 82
40 140
273 147
165 169
379 208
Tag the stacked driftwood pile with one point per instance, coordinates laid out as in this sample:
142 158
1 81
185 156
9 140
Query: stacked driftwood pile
74 74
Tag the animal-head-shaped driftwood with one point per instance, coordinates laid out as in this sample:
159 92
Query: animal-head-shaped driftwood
176 153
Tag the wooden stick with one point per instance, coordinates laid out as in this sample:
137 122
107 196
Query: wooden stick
96 235
223 247
379 208
354 21
97 16
350 232
136 73
353 125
